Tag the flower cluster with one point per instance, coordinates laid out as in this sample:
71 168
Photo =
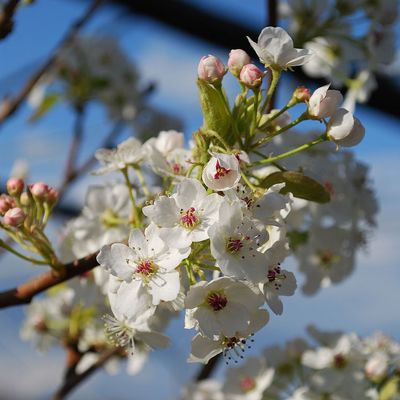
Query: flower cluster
25 212
342 366
351 41
207 230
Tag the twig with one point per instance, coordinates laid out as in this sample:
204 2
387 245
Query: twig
6 18
75 144
10 105
74 173
208 368
71 382
24 293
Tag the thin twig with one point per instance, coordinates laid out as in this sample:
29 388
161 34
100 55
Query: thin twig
85 166
6 18
74 380
75 144
10 105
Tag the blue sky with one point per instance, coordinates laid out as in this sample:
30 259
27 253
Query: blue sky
366 302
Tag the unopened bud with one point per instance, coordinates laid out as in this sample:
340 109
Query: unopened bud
52 196
238 58
211 69
251 76
6 202
14 217
15 186
300 95
39 190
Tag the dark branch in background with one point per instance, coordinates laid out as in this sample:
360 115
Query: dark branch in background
6 18
189 19
73 380
11 105
24 293
206 371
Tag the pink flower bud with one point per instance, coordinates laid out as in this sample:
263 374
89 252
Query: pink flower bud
52 196
251 76
15 186
14 217
39 190
238 58
6 202
300 95
211 69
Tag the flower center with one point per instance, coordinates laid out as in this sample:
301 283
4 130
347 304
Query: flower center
110 219
217 301
339 361
327 257
189 218
220 171
146 268
234 245
247 384
177 168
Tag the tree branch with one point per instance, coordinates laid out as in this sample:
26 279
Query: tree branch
207 369
24 293
11 105
73 380
6 18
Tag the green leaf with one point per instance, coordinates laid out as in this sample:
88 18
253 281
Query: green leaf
216 115
300 185
49 101
297 238
390 390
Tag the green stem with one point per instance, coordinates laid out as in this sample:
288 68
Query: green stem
190 170
275 116
136 214
246 179
142 181
276 74
255 111
18 254
302 117
306 146
219 137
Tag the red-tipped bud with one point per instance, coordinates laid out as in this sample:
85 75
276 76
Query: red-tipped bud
251 76
238 58
15 186
211 69
300 95
52 196
39 190
6 202
14 217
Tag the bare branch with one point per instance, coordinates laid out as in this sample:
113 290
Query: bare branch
24 293
6 18
73 380
10 105
208 368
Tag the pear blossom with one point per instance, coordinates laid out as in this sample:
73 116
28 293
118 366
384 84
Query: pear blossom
345 129
204 348
234 243
211 69
186 216
14 217
222 172
167 141
249 381
251 76
223 306
275 49
127 153
146 262
323 102
206 389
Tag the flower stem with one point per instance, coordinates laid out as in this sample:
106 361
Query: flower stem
136 214
142 181
276 74
5 246
306 146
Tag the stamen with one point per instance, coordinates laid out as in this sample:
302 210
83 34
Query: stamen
220 171
217 300
189 218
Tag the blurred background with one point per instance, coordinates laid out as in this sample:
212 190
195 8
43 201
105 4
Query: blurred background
165 40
